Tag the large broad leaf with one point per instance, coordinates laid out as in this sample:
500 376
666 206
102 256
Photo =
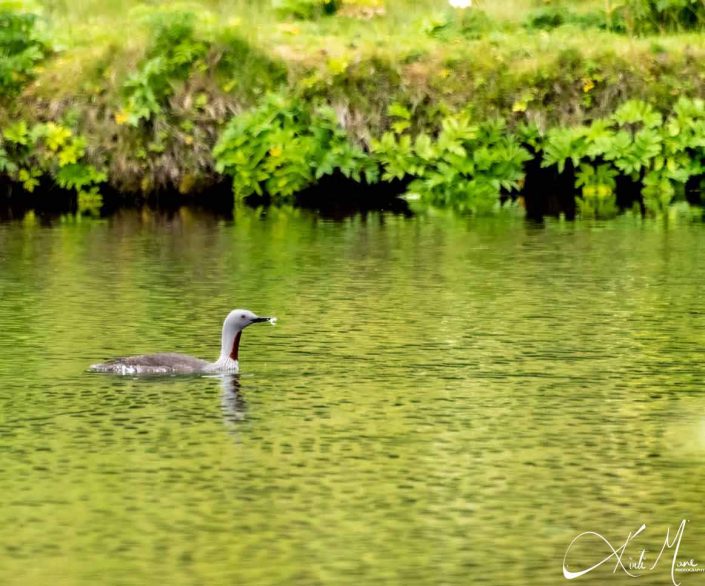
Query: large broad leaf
17 133
563 144
637 112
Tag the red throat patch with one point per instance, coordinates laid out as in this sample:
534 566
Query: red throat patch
236 346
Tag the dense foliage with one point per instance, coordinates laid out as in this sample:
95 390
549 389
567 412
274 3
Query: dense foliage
29 153
636 144
306 9
457 109
465 164
649 16
283 147
21 49
173 50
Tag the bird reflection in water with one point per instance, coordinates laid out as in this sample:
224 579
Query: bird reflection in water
232 402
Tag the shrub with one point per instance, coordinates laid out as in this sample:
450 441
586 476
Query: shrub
21 49
466 165
546 18
244 70
650 16
306 9
550 17
29 153
283 146
172 52
471 24
637 144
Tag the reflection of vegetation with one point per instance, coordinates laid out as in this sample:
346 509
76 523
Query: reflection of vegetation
361 88
597 184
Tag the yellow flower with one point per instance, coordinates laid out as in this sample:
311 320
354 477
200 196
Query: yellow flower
121 117
275 151
588 84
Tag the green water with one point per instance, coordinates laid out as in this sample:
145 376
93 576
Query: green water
444 400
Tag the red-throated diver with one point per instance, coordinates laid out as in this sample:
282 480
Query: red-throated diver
171 363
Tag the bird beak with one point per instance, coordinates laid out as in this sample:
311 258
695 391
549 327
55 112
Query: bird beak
257 320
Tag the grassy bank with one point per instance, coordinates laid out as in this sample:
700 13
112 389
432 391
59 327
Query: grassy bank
501 102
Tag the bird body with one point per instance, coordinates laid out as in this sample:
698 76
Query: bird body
173 363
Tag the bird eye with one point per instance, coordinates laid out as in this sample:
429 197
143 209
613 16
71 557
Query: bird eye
243 316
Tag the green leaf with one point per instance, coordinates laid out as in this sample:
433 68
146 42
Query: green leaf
638 112
55 136
397 110
16 133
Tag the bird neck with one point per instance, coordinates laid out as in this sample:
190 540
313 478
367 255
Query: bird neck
235 347
230 343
